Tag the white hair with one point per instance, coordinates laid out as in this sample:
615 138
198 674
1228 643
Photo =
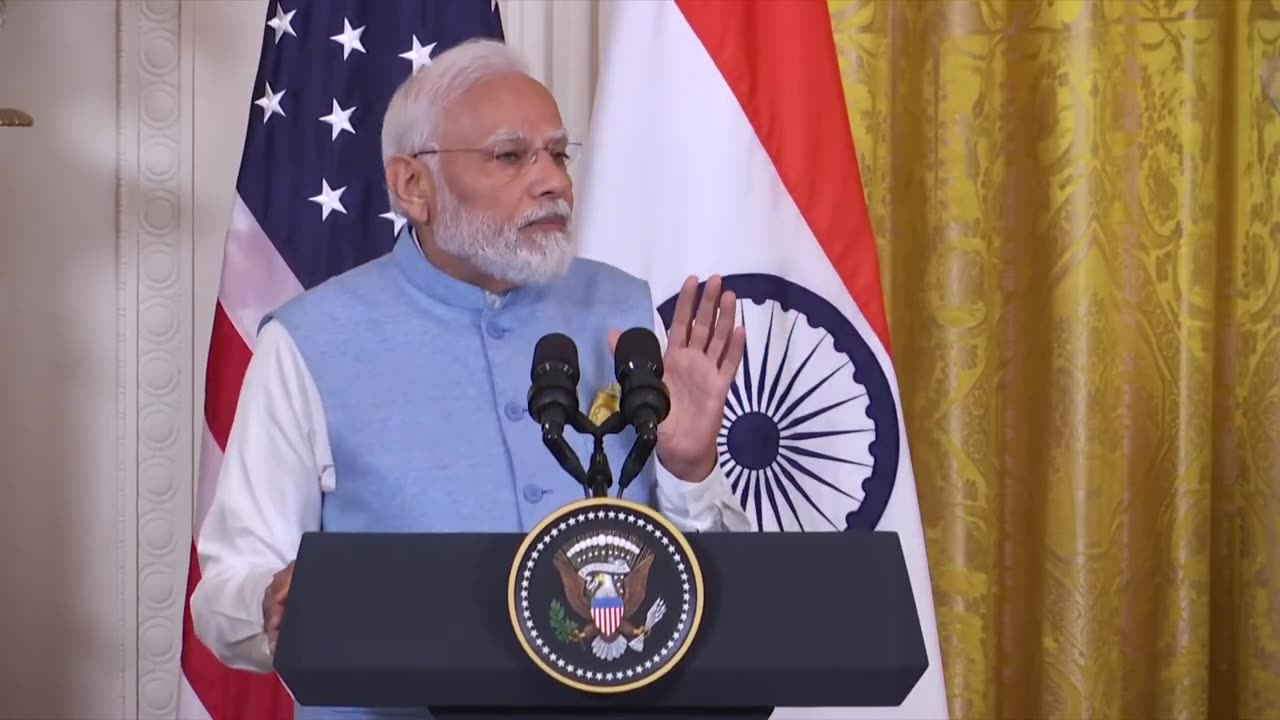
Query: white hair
414 114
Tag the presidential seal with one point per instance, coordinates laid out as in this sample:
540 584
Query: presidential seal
605 595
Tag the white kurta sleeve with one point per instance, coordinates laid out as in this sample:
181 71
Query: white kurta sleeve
704 506
268 493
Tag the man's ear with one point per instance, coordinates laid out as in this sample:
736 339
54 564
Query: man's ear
413 186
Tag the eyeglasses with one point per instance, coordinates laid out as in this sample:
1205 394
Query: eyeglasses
511 158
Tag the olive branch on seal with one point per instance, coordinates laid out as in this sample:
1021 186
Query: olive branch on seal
564 628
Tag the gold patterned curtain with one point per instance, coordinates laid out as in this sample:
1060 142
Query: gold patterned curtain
1078 212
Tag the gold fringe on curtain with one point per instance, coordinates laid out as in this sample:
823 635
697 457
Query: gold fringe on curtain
1078 211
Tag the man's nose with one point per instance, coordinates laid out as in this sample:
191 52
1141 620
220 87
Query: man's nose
548 177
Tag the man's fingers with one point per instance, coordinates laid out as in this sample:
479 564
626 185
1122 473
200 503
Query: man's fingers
281 582
273 600
704 322
684 313
733 354
278 591
725 321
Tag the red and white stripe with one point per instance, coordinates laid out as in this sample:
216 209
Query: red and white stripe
607 619
720 144
255 280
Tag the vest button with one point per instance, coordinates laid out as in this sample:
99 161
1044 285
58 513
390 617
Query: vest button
533 493
495 331
514 411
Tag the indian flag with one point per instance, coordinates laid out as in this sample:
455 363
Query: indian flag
720 144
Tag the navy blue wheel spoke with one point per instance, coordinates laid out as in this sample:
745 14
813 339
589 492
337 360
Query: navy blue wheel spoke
808 393
817 413
821 456
746 371
734 472
819 434
773 501
759 505
778 480
782 364
745 488
733 403
791 383
812 503
764 359
804 470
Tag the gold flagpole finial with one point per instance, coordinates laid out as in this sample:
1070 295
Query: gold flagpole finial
12 117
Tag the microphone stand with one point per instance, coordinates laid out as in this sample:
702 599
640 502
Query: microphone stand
599 476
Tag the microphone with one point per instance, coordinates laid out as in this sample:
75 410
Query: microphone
553 397
637 364
644 400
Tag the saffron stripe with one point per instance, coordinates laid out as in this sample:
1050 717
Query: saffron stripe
779 59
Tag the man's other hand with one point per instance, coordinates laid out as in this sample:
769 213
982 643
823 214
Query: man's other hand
273 605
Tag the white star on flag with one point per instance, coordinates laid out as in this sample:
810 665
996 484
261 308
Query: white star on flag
340 119
396 219
418 55
329 200
281 23
270 103
349 38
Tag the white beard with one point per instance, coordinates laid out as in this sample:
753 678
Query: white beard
497 250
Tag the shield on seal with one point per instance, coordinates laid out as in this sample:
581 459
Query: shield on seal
607 613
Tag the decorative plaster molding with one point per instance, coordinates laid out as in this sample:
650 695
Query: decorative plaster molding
126 390
154 266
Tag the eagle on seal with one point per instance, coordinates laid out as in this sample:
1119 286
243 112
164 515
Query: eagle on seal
607 605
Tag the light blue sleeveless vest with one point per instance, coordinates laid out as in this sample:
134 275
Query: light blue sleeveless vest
424 380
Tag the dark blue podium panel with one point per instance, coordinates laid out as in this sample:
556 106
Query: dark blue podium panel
790 619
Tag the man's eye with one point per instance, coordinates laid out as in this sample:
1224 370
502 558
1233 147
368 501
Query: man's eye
510 157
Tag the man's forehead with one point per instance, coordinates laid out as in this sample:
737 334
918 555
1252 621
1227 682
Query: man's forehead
509 104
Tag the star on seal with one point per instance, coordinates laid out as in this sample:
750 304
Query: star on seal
605 595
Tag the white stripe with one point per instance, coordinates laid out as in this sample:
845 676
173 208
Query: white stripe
189 705
255 279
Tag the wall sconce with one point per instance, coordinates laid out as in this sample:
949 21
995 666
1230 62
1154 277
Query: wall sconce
12 117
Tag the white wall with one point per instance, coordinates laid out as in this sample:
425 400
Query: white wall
62 552
112 211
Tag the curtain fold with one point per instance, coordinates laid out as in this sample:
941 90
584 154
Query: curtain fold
1077 211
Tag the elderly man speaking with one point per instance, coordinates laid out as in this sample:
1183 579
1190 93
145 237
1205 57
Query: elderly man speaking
391 398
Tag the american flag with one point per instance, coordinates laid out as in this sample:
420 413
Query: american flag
310 204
